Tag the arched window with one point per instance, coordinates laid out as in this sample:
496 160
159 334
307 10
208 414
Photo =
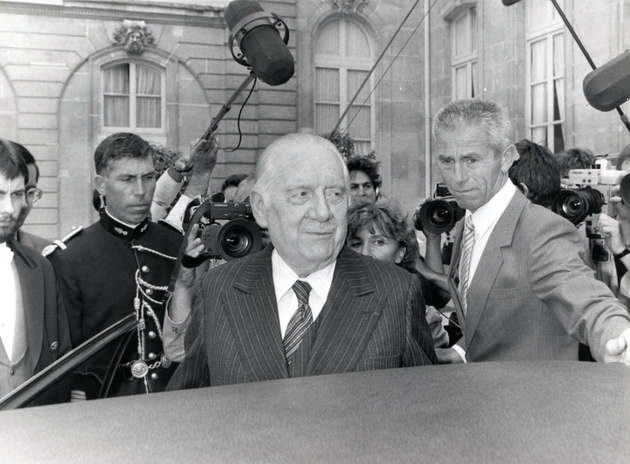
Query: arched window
343 58
133 96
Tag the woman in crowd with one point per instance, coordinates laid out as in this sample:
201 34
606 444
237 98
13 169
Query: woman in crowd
381 230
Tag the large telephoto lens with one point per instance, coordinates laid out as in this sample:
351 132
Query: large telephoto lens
238 238
438 216
576 205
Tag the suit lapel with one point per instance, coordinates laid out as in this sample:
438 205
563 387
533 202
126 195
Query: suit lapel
31 282
253 313
490 263
348 318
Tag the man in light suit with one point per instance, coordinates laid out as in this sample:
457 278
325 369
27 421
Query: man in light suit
305 305
33 325
519 283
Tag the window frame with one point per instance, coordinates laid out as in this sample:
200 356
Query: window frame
534 35
467 60
133 95
345 65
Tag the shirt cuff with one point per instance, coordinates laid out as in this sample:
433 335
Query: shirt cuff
460 351
176 216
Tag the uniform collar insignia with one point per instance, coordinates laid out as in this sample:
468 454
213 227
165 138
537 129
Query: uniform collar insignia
121 230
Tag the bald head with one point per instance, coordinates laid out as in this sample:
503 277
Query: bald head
301 195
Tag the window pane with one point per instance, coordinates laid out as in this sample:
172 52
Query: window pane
558 100
359 122
148 81
460 29
473 79
558 55
539 104
538 61
362 148
357 44
148 112
355 79
116 111
116 80
558 138
328 39
326 117
326 85
460 82
473 29
539 135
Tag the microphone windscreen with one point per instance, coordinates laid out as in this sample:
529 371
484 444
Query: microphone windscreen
608 86
268 55
510 2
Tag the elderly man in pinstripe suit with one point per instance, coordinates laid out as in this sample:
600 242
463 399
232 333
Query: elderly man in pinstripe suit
305 305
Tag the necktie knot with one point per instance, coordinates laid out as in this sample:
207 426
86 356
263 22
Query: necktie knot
302 290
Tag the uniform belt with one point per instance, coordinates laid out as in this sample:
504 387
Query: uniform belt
140 368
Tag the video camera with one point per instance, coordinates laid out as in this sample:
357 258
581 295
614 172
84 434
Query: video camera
439 216
589 190
236 238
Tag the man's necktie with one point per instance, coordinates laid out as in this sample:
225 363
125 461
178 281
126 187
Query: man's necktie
464 262
300 321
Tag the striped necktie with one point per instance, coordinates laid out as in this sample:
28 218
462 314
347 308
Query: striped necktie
300 321
464 262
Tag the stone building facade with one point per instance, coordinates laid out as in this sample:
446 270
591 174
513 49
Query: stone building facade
69 77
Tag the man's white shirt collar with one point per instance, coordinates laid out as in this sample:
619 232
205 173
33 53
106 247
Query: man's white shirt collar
283 279
488 215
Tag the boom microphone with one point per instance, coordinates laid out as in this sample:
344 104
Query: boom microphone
510 2
608 86
260 42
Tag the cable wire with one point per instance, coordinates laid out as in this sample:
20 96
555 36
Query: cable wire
238 120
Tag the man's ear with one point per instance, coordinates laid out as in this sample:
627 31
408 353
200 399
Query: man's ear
99 184
523 188
508 158
257 203
401 254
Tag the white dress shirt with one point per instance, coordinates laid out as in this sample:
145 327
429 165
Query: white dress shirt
283 279
8 298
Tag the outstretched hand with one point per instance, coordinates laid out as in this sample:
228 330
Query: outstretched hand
204 155
618 349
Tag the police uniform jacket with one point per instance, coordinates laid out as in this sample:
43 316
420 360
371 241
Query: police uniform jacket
106 272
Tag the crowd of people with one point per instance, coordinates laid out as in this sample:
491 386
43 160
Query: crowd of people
341 286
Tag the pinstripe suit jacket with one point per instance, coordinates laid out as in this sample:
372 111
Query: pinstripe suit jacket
373 319
532 297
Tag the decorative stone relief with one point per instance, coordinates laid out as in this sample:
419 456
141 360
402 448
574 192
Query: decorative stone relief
347 6
133 36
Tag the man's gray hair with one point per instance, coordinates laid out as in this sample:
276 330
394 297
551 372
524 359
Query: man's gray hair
474 112
293 143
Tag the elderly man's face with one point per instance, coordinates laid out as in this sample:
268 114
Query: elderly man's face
305 208
470 168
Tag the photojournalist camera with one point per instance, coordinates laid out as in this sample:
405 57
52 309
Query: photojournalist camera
588 193
227 230
439 216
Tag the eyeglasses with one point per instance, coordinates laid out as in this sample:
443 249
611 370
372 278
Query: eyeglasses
33 195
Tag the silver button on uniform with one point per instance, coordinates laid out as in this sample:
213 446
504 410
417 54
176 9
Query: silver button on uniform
145 269
152 334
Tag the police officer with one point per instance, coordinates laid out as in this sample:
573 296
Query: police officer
121 264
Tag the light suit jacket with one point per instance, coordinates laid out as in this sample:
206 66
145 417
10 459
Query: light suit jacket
532 297
373 318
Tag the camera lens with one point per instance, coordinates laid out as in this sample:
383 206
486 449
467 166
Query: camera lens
438 216
238 238
576 205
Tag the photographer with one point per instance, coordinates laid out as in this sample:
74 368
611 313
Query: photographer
199 167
